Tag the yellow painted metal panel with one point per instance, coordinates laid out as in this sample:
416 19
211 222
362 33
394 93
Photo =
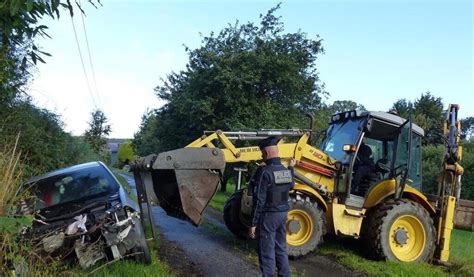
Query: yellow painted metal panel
200 142
253 153
346 221
448 228
311 192
387 187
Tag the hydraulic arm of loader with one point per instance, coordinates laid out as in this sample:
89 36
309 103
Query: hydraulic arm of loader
183 181
450 186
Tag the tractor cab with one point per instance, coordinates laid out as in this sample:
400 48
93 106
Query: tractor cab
372 147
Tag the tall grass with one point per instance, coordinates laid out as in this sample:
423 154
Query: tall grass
17 253
10 175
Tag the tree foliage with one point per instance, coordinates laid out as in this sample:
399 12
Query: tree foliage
126 153
467 127
325 111
145 141
427 112
467 189
20 24
43 143
431 167
97 131
432 161
247 76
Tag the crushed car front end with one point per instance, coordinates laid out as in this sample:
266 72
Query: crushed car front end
82 215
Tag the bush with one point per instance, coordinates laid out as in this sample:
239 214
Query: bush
16 253
467 188
125 153
432 162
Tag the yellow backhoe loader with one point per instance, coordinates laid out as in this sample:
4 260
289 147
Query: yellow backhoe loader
387 208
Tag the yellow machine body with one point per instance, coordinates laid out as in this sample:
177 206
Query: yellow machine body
320 181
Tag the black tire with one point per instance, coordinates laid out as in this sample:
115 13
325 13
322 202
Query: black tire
142 248
378 236
312 214
233 217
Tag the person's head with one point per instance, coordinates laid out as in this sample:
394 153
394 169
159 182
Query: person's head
269 148
365 151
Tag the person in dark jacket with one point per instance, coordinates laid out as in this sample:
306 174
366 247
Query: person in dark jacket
270 208
364 166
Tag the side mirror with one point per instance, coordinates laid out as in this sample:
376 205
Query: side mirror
349 148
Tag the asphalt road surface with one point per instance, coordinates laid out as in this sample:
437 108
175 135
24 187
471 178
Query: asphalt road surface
211 250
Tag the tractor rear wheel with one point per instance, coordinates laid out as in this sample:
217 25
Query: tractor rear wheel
233 217
305 226
401 230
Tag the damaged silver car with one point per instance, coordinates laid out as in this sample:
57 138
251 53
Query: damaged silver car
83 215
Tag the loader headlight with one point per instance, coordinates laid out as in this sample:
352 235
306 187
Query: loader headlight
349 148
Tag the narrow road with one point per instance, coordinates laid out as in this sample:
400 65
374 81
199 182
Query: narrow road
213 251
130 181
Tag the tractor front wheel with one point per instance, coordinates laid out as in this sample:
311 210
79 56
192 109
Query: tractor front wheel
305 226
233 217
401 230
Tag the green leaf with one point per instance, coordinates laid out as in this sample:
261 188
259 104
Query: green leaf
29 5
45 53
33 57
13 225
15 6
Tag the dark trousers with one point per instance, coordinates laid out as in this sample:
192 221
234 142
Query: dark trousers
272 244
361 172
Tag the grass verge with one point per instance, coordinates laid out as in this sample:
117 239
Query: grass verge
219 199
124 183
131 268
349 252
462 251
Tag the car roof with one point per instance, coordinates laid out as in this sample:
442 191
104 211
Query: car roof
63 171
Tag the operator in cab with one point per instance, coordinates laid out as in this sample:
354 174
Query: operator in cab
270 208
364 166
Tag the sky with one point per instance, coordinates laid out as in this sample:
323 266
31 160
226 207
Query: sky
376 52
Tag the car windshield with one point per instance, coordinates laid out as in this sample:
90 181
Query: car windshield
340 133
82 184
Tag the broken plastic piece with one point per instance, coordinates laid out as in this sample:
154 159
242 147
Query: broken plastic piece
77 226
53 242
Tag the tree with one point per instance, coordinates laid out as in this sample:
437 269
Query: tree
20 24
427 112
345 105
145 141
403 107
431 167
43 143
247 76
467 188
324 113
98 129
467 127
126 153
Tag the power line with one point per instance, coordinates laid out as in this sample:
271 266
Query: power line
82 62
90 60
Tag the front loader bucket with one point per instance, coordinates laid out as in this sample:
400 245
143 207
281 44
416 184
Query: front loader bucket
185 180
